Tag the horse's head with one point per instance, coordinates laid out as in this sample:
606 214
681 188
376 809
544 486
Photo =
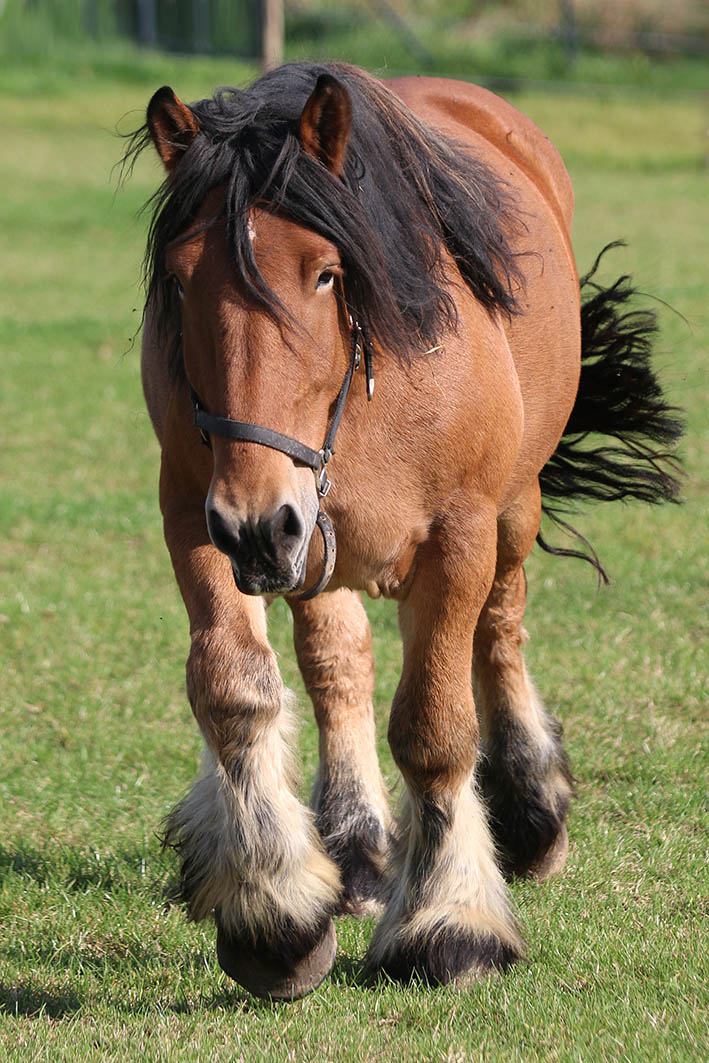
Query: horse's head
248 364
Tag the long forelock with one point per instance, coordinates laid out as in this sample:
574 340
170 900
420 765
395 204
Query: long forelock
408 199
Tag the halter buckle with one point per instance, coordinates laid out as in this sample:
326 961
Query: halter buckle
321 478
322 482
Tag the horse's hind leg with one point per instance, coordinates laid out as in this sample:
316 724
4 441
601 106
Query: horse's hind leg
522 769
333 644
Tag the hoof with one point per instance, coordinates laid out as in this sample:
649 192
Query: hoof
554 859
268 977
449 956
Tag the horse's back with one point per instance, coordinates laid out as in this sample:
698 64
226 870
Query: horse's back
473 113
544 337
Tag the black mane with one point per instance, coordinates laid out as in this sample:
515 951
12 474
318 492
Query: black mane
407 194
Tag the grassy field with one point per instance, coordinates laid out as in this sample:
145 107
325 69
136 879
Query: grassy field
96 737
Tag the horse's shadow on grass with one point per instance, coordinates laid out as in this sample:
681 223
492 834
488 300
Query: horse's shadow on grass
78 869
350 973
35 1001
31 1000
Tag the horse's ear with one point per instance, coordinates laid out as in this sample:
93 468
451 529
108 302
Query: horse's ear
172 126
324 127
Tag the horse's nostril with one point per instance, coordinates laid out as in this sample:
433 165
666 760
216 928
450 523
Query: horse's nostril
277 535
286 527
221 534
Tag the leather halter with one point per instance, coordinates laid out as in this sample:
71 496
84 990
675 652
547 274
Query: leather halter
208 424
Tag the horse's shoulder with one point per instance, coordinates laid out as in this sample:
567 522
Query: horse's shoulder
457 107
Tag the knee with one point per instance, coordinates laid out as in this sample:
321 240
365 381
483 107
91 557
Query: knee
230 680
435 753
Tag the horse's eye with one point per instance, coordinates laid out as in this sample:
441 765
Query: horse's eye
325 280
178 287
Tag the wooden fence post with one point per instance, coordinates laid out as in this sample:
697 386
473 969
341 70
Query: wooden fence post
272 33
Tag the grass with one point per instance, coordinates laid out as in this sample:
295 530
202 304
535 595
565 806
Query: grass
97 741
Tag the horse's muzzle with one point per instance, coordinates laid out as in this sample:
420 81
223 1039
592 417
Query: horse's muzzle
268 553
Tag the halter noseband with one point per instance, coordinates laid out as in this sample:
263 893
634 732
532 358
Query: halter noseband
317 460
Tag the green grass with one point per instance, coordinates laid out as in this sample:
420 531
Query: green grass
97 741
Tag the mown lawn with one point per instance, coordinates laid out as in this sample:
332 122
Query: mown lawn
96 736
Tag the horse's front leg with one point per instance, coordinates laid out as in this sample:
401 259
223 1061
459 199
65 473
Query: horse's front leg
250 851
448 913
334 648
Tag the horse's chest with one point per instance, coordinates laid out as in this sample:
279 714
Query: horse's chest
377 543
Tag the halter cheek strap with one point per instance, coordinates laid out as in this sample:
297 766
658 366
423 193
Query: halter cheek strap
208 424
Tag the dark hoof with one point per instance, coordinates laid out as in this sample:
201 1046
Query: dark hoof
450 956
547 861
265 976
527 803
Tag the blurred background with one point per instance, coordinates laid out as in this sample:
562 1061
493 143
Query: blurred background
636 41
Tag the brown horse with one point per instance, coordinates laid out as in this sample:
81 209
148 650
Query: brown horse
316 232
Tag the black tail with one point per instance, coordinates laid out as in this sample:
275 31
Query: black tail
619 396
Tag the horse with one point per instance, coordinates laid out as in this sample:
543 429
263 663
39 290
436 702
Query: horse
316 234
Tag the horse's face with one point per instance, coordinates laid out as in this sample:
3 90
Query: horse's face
262 506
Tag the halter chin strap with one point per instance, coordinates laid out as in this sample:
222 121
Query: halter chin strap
316 460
